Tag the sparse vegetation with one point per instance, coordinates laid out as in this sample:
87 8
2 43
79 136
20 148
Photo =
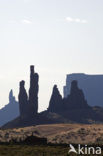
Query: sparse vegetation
25 150
55 134
36 150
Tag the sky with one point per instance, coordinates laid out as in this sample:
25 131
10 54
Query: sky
59 37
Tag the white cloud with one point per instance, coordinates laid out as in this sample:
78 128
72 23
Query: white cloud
25 21
76 20
69 19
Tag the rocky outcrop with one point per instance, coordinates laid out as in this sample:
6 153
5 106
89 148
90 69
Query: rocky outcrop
76 99
23 100
33 92
9 111
92 86
55 104
29 106
73 108
11 97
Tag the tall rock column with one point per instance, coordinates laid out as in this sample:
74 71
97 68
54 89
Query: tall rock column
33 92
56 102
23 100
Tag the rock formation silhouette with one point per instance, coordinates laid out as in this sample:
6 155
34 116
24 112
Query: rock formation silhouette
11 97
76 99
23 100
33 92
73 108
92 86
9 111
56 102
29 106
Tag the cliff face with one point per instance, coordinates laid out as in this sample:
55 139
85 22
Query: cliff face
56 103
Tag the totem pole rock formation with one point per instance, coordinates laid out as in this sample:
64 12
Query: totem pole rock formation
76 99
33 92
29 106
55 104
23 100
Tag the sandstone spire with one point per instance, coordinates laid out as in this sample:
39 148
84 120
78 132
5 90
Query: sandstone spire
23 100
55 104
33 92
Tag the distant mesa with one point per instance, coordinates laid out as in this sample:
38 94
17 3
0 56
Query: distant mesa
92 86
9 111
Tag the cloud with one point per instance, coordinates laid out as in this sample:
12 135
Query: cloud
25 21
75 20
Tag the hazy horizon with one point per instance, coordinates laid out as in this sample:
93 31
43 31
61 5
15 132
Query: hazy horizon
58 37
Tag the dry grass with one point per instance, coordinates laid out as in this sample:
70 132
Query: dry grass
55 133
58 133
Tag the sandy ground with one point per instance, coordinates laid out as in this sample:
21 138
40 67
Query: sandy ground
59 133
